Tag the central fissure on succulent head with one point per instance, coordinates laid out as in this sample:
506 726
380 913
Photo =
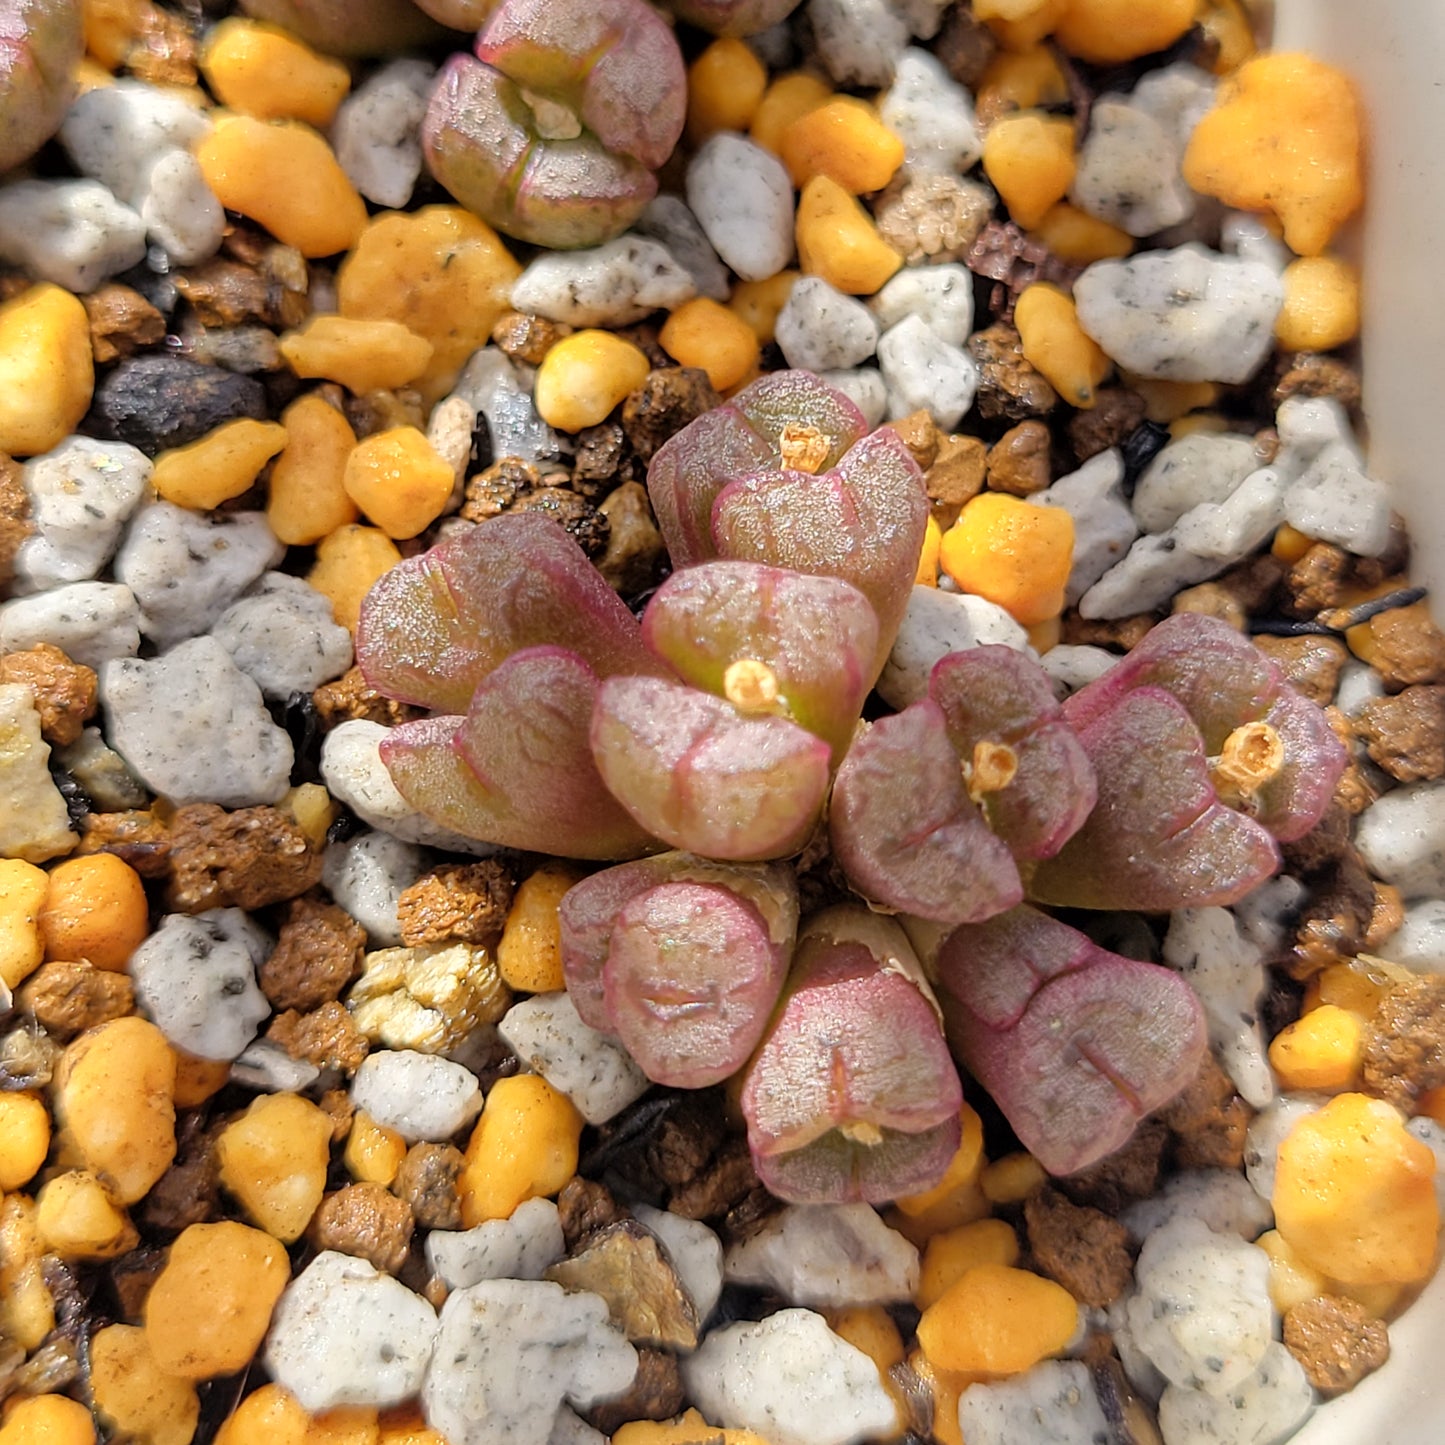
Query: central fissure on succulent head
1251 757
751 685
860 1131
553 120
803 448
991 769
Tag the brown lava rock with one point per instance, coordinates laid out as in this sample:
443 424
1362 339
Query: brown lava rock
122 322
573 513
349 699
1208 1120
1008 386
965 46
67 997
230 293
326 1037
584 1207
528 338
188 1191
1018 462
1312 664
1336 1341
1332 927
1309 374
245 859
932 217
1404 1053
65 691
15 523
337 1106
1082 1248
1408 647
918 432
669 398
635 551
1127 1174
1317 579
656 1393
957 473
1119 634
456 902
427 1181
601 460
1116 414
366 1220
1405 734
317 954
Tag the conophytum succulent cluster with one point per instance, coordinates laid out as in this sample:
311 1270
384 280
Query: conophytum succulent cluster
707 747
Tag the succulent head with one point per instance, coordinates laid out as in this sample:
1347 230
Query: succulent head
40 45
732 17
350 27
552 131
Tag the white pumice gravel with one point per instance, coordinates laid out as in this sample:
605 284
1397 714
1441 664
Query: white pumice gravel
591 1068
74 233
268 1069
1267 1131
377 131
91 622
187 567
81 496
343 1333
1266 1407
1128 170
668 220
195 976
1402 839
790 1379
694 1251
569 1428
366 875
935 624
1359 683
1189 314
821 329
1200 467
941 295
1054 1402
180 211
283 637
1177 96
743 200
924 372
1419 943
924 18
613 284
827 1256
510 1354
865 388
932 114
519 1247
493 386
194 728
1221 1198
34 823
1073 666
421 1096
858 41
102 772
1334 501
1104 527
1227 971
1247 235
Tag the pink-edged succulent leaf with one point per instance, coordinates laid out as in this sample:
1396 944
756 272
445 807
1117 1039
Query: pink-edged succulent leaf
741 439
41 43
517 770
998 695
435 625
1224 681
615 64
864 521
469 15
817 637
691 977
1075 1044
852 1093
732 17
696 773
1158 838
905 831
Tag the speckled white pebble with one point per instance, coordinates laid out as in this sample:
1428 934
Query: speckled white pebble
923 371
1419 942
34 824
519 1247
1104 527
668 220
187 567
490 384
859 41
1200 467
1247 235
282 635
569 1428
827 1256
1359 684
74 233
1267 1131
367 875
195 976
269 1069
1221 1198
790 1379
1189 314
694 1251
591 1068
932 114
935 624
181 213
81 496
1055 1401
821 329
343 1333
1402 838
1177 96
377 131
941 295
864 387
91 622
1334 501
613 284
1266 1407
1128 170
1074 666
743 200
511 1353
421 1096
194 728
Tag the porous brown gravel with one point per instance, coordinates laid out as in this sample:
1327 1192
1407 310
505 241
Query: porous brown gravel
65 691
1080 1247
318 952
1336 1341
1405 733
67 996
1009 387
427 1181
1208 1120
122 322
366 1220
248 858
1018 462
324 1036
1404 1046
350 699
459 902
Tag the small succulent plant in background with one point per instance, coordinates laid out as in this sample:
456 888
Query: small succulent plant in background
697 748
40 46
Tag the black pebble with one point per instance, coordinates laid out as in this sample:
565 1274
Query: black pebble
155 402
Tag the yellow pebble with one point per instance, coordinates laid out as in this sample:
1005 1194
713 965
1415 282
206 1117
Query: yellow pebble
1029 157
219 466
1055 344
838 241
95 909
115 1098
870 1328
1321 304
403 1425
997 1320
273 1158
725 86
199 1079
47 373
1321 1050
269 1416
1291 1280
843 139
399 481
529 956
22 897
927 573
584 376
307 496
266 72
1023 79
1012 1179
24 1139
759 302
1167 401
962 1172
523 1147
1108 32
440 271
1283 136
348 561
77 1219
47 1420
688 1428
705 334
1020 24
343 1425
1290 544
1354 1193
283 175
27 1312
950 1255
788 97
1077 237
133 1395
1013 553
112 27
1045 635
362 355
373 1152
312 809
1228 31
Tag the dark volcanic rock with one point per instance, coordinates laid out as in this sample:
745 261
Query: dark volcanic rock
155 402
